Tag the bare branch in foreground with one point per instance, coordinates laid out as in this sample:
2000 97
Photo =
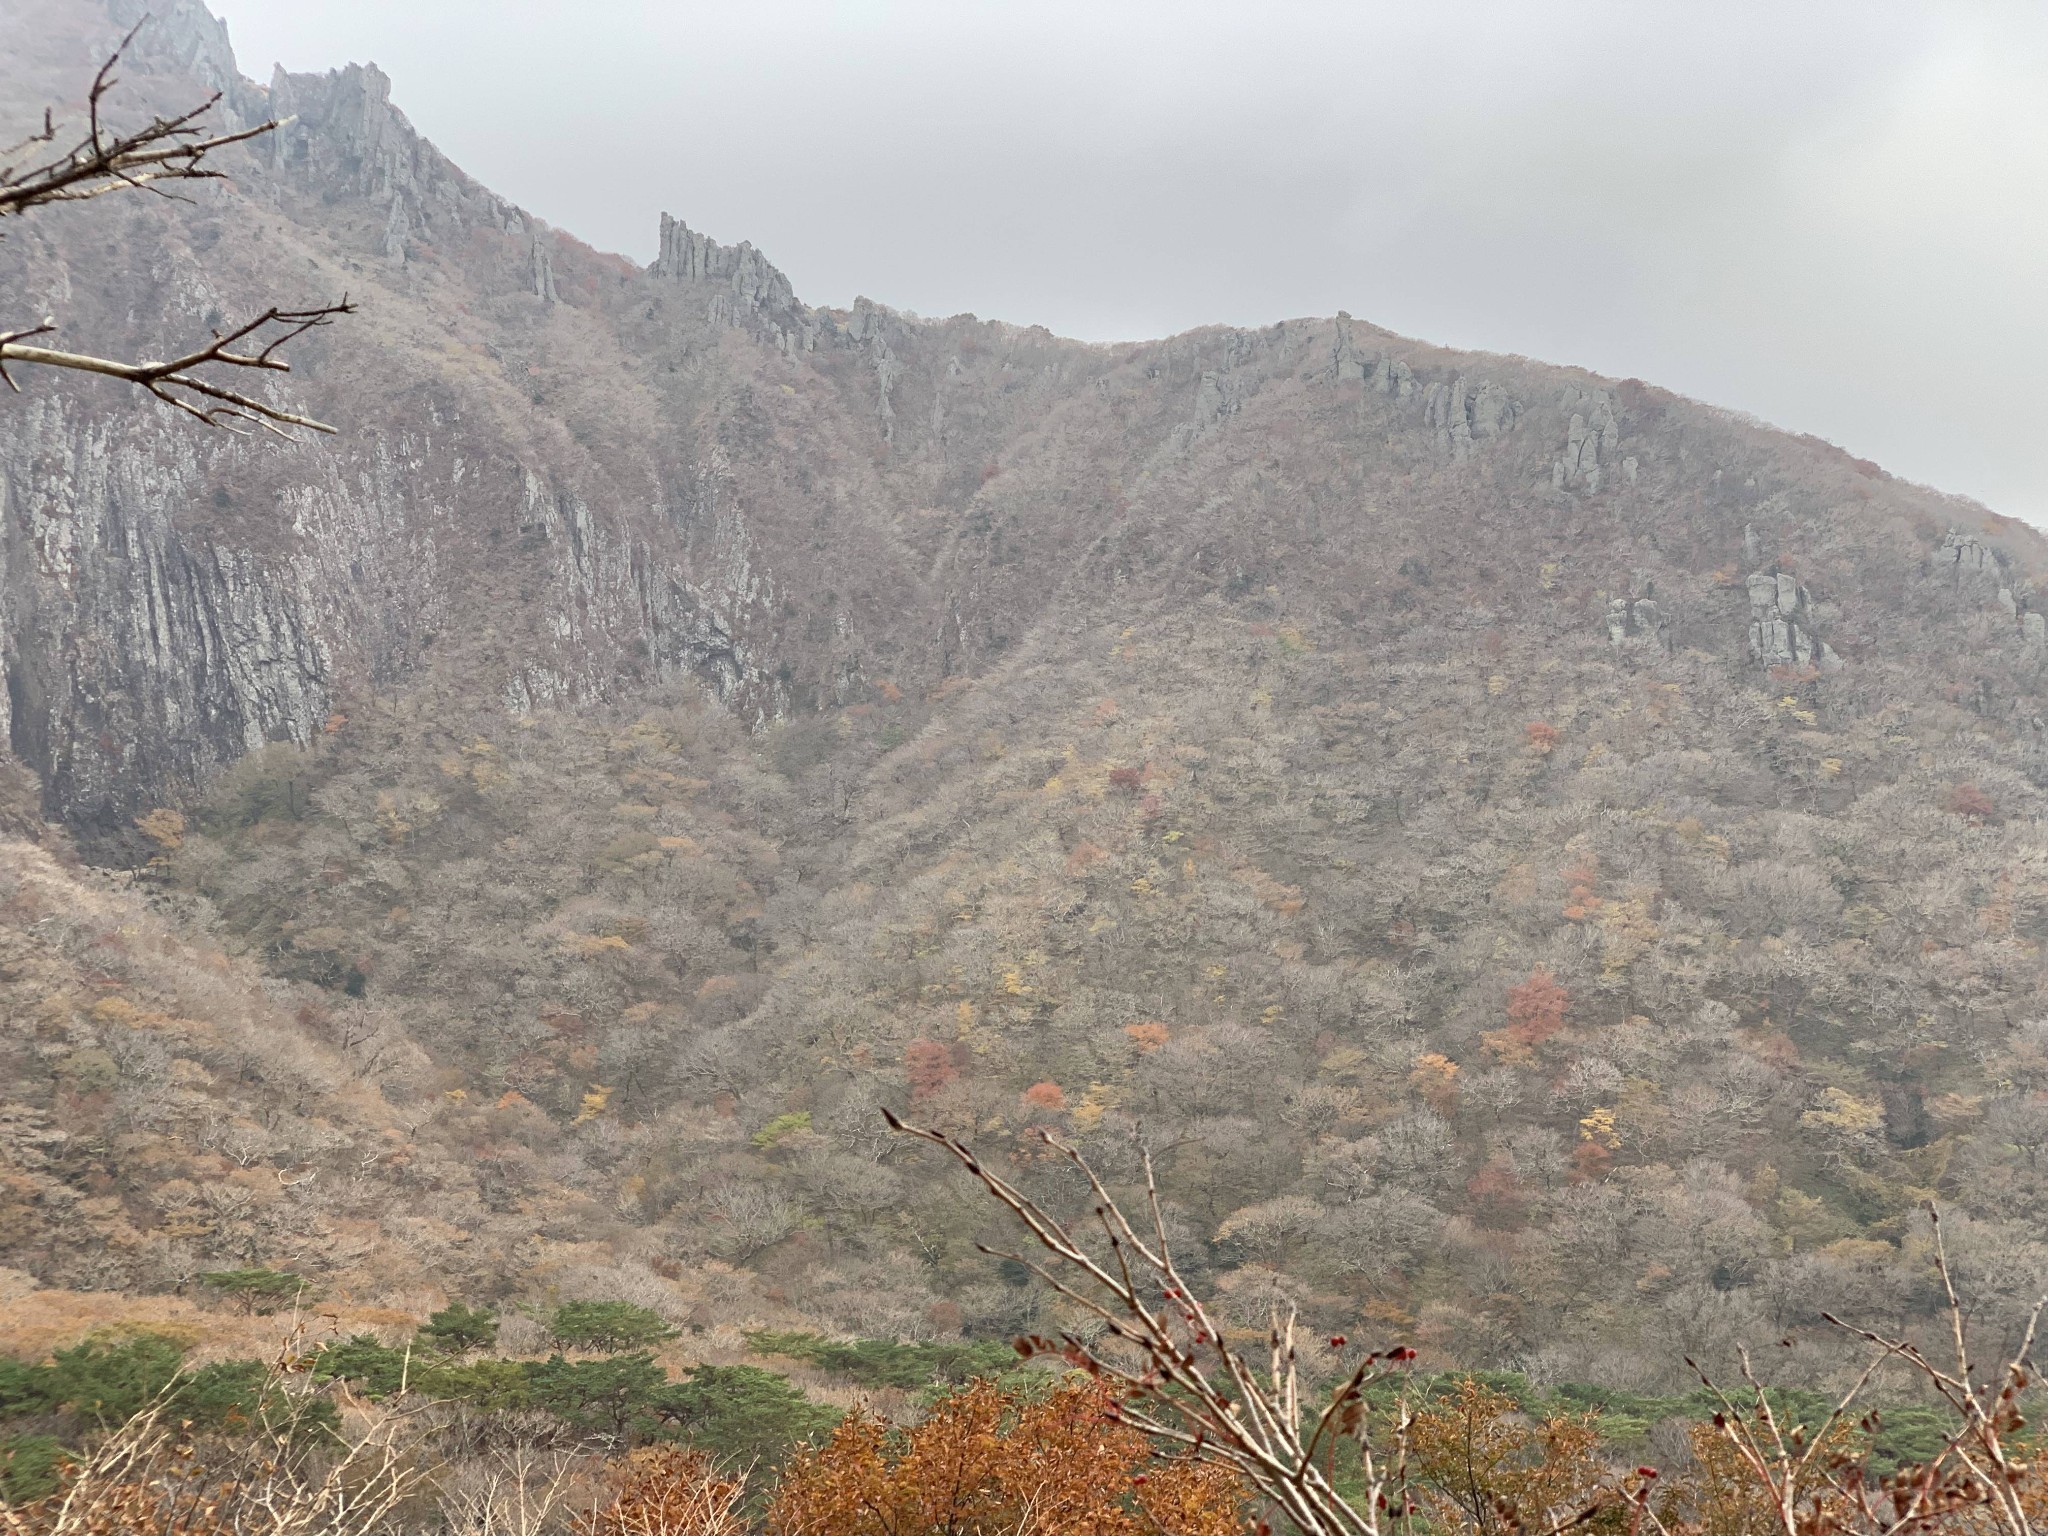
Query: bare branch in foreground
1182 1381
163 150
1816 1482
176 384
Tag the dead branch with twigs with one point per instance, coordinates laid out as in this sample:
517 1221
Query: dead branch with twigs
148 1476
1817 1483
1183 1383
166 149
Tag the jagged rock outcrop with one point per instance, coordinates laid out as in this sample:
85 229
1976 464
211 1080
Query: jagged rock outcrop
1460 418
138 656
1638 619
1964 556
1347 363
1392 376
745 288
1592 441
1980 568
563 477
543 269
1781 624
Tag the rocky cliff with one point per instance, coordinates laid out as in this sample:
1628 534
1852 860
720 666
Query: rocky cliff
1557 863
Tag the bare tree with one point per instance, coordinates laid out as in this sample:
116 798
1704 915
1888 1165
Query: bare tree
34 173
1818 1482
1182 1383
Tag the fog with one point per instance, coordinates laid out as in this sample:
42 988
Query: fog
1829 215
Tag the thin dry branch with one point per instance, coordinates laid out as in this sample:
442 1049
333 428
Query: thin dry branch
1189 1387
163 150
1816 1485
1989 1412
174 380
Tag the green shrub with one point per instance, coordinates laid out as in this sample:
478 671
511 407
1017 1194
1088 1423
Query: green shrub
24 1389
742 1414
887 1363
257 1289
490 1385
375 1369
781 1126
600 1396
29 1467
458 1329
108 1381
608 1325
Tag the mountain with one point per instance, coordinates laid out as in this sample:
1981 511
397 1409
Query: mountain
1552 868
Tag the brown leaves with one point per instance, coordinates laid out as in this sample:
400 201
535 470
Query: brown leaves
665 1490
992 1461
1477 1462
1536 1009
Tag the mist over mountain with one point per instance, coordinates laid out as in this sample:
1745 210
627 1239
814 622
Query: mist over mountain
1552 869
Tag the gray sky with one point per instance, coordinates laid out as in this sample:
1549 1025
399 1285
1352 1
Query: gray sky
1831 215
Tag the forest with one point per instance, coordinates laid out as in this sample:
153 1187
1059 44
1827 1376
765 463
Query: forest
628 905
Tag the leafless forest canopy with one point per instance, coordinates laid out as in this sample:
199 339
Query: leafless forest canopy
1550 873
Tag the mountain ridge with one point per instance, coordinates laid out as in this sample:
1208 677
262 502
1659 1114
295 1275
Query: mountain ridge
1555 866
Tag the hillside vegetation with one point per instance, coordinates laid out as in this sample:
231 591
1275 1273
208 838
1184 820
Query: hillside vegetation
1554 872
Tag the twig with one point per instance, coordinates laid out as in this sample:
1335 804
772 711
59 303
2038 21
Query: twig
1225 1412
163 379
165 149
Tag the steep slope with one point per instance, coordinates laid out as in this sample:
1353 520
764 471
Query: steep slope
1553 867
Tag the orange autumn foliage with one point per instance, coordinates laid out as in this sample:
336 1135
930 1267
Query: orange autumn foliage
1435 1078
1475 1459
1046 1095
1536 1010
929 1066
994 1463
1149 1036
665 1490
1965 800
1583 899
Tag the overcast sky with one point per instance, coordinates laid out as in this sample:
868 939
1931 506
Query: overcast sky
1832 215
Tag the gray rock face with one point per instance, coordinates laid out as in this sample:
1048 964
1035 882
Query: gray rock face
868 328
1638 619
1964 555
1443 407
138 657
743 288
186 38
532 479
1220 393
1781 624
1985 574
1634 621
543 270
1392 377
1591 440
1462 417
172 598
1347 363
1493 411
344 137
